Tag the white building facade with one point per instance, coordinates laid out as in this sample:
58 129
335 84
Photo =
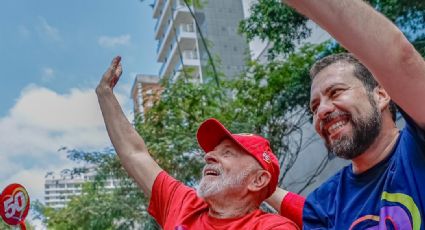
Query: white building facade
60 189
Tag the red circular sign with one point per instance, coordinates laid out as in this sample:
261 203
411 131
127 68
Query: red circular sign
14 204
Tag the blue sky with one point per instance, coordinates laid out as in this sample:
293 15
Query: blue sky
52 54
58 44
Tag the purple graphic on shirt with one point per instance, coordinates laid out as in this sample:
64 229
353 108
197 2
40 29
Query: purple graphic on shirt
394 215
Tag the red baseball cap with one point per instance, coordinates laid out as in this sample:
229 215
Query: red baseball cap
211 133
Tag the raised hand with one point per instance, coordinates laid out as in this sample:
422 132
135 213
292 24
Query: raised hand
111 76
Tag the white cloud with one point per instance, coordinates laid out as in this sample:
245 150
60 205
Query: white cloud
41 122
111 42
30 179
48 30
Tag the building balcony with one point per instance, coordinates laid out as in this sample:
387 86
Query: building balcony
158 5
163 15
191 73
184 33
172 11
174 67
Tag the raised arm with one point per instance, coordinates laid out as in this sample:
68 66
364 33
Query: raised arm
130 147
378 44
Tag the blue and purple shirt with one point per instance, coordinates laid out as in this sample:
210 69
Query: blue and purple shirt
390 195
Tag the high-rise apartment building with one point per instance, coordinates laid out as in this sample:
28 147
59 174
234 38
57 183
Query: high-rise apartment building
180 44
59 189
181 50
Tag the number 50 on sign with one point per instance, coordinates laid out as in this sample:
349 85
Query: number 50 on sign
14 205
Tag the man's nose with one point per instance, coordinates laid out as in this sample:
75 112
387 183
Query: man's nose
325 108
210 158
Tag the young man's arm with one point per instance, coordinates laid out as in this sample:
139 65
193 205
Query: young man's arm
288 204
378 44
128 144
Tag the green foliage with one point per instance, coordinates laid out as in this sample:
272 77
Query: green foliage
409 15
272 100
273 21
99 208
283 27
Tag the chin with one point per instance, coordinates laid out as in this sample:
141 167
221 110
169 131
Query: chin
206 190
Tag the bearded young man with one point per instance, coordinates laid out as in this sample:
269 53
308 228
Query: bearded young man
383 187
241 172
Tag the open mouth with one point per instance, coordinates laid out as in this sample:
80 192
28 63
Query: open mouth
211 172
335 126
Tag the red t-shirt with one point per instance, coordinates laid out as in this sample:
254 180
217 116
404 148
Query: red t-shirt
177 207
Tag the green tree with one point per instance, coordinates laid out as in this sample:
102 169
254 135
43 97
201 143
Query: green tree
99 208
274 22
278 24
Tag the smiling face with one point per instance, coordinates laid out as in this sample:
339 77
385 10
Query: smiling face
228 170
345 114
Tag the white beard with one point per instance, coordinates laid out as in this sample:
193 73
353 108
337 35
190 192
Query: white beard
222 183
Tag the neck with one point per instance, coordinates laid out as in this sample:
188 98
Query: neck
231 207
378 151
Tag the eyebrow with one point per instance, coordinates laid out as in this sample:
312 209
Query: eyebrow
334 86
329 88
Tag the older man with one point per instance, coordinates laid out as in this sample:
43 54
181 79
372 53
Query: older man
383 187
241 171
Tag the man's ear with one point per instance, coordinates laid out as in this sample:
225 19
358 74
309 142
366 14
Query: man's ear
261 180
382 98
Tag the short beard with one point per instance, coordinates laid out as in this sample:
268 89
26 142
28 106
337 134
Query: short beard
365 131
223 183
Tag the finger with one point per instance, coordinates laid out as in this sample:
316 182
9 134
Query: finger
118 70
110 72
115 62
